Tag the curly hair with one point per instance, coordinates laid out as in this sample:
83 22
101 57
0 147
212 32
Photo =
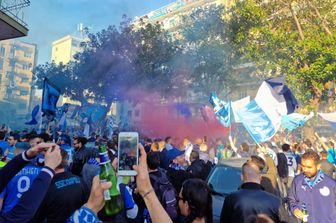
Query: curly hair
198 195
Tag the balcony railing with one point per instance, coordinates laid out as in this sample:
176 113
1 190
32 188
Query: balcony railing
14 9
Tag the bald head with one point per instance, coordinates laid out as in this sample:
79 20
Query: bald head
251 173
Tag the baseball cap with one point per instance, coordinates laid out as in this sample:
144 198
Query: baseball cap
174 152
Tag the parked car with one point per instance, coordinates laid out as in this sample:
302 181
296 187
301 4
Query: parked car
224 179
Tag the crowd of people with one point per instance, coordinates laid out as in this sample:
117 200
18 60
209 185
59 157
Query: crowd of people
54 178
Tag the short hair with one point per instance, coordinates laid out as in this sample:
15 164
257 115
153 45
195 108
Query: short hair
167 139
2 135
15 136
285 147
82 140
194 155
33 136
250 170
330 144
258 161
65 157
311 155
324 154
153 160
308 143
45 137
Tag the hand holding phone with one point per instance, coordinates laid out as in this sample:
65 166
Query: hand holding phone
128 153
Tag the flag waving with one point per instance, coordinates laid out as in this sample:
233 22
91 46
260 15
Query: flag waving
262 116
222 110
49 99
34 116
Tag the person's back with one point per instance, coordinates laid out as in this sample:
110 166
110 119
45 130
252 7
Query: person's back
327 167
66 193
250 199
18 186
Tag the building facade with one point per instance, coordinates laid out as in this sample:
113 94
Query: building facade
17 61
64 49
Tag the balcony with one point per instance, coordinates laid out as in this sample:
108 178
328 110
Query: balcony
11 24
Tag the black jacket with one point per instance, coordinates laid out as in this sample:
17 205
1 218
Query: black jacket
80 157
177 177
249 200
200 169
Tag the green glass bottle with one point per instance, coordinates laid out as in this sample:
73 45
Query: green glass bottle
113 200
304 213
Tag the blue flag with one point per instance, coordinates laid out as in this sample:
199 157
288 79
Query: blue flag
262 116
222 110
294 120
49 99
34 113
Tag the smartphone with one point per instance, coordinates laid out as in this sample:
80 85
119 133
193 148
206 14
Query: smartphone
128 153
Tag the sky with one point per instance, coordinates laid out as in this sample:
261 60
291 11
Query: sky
49 20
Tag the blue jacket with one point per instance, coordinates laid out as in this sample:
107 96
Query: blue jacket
320 200
31 200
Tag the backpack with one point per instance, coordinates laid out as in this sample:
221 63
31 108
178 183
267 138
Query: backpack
166 194
282 165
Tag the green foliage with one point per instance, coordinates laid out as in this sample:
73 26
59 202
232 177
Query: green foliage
289 38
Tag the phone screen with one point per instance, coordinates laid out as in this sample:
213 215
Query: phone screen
128 151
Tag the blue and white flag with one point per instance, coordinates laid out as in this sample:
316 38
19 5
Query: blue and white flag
35 116
222 110
262 116
329 117
295 120
236 105
50 97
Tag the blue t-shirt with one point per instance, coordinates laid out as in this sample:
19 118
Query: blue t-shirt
20 183
3 145
10 154
331 156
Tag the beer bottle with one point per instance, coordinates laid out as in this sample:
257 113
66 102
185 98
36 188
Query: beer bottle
304 213
113 200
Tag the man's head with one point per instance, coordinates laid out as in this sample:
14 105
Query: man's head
176 156
324 155
259 162
2 135
153 160
20 147
330 144
310 164
64 162
168 140
251 173
285 147
64 139
12 139
34 139
194 155
79 142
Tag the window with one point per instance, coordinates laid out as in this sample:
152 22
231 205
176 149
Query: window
25 80
27 54
137 113
23 92
26 66
1 63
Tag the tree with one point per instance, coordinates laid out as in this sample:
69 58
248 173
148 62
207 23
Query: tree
114 61
291 38
212 60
